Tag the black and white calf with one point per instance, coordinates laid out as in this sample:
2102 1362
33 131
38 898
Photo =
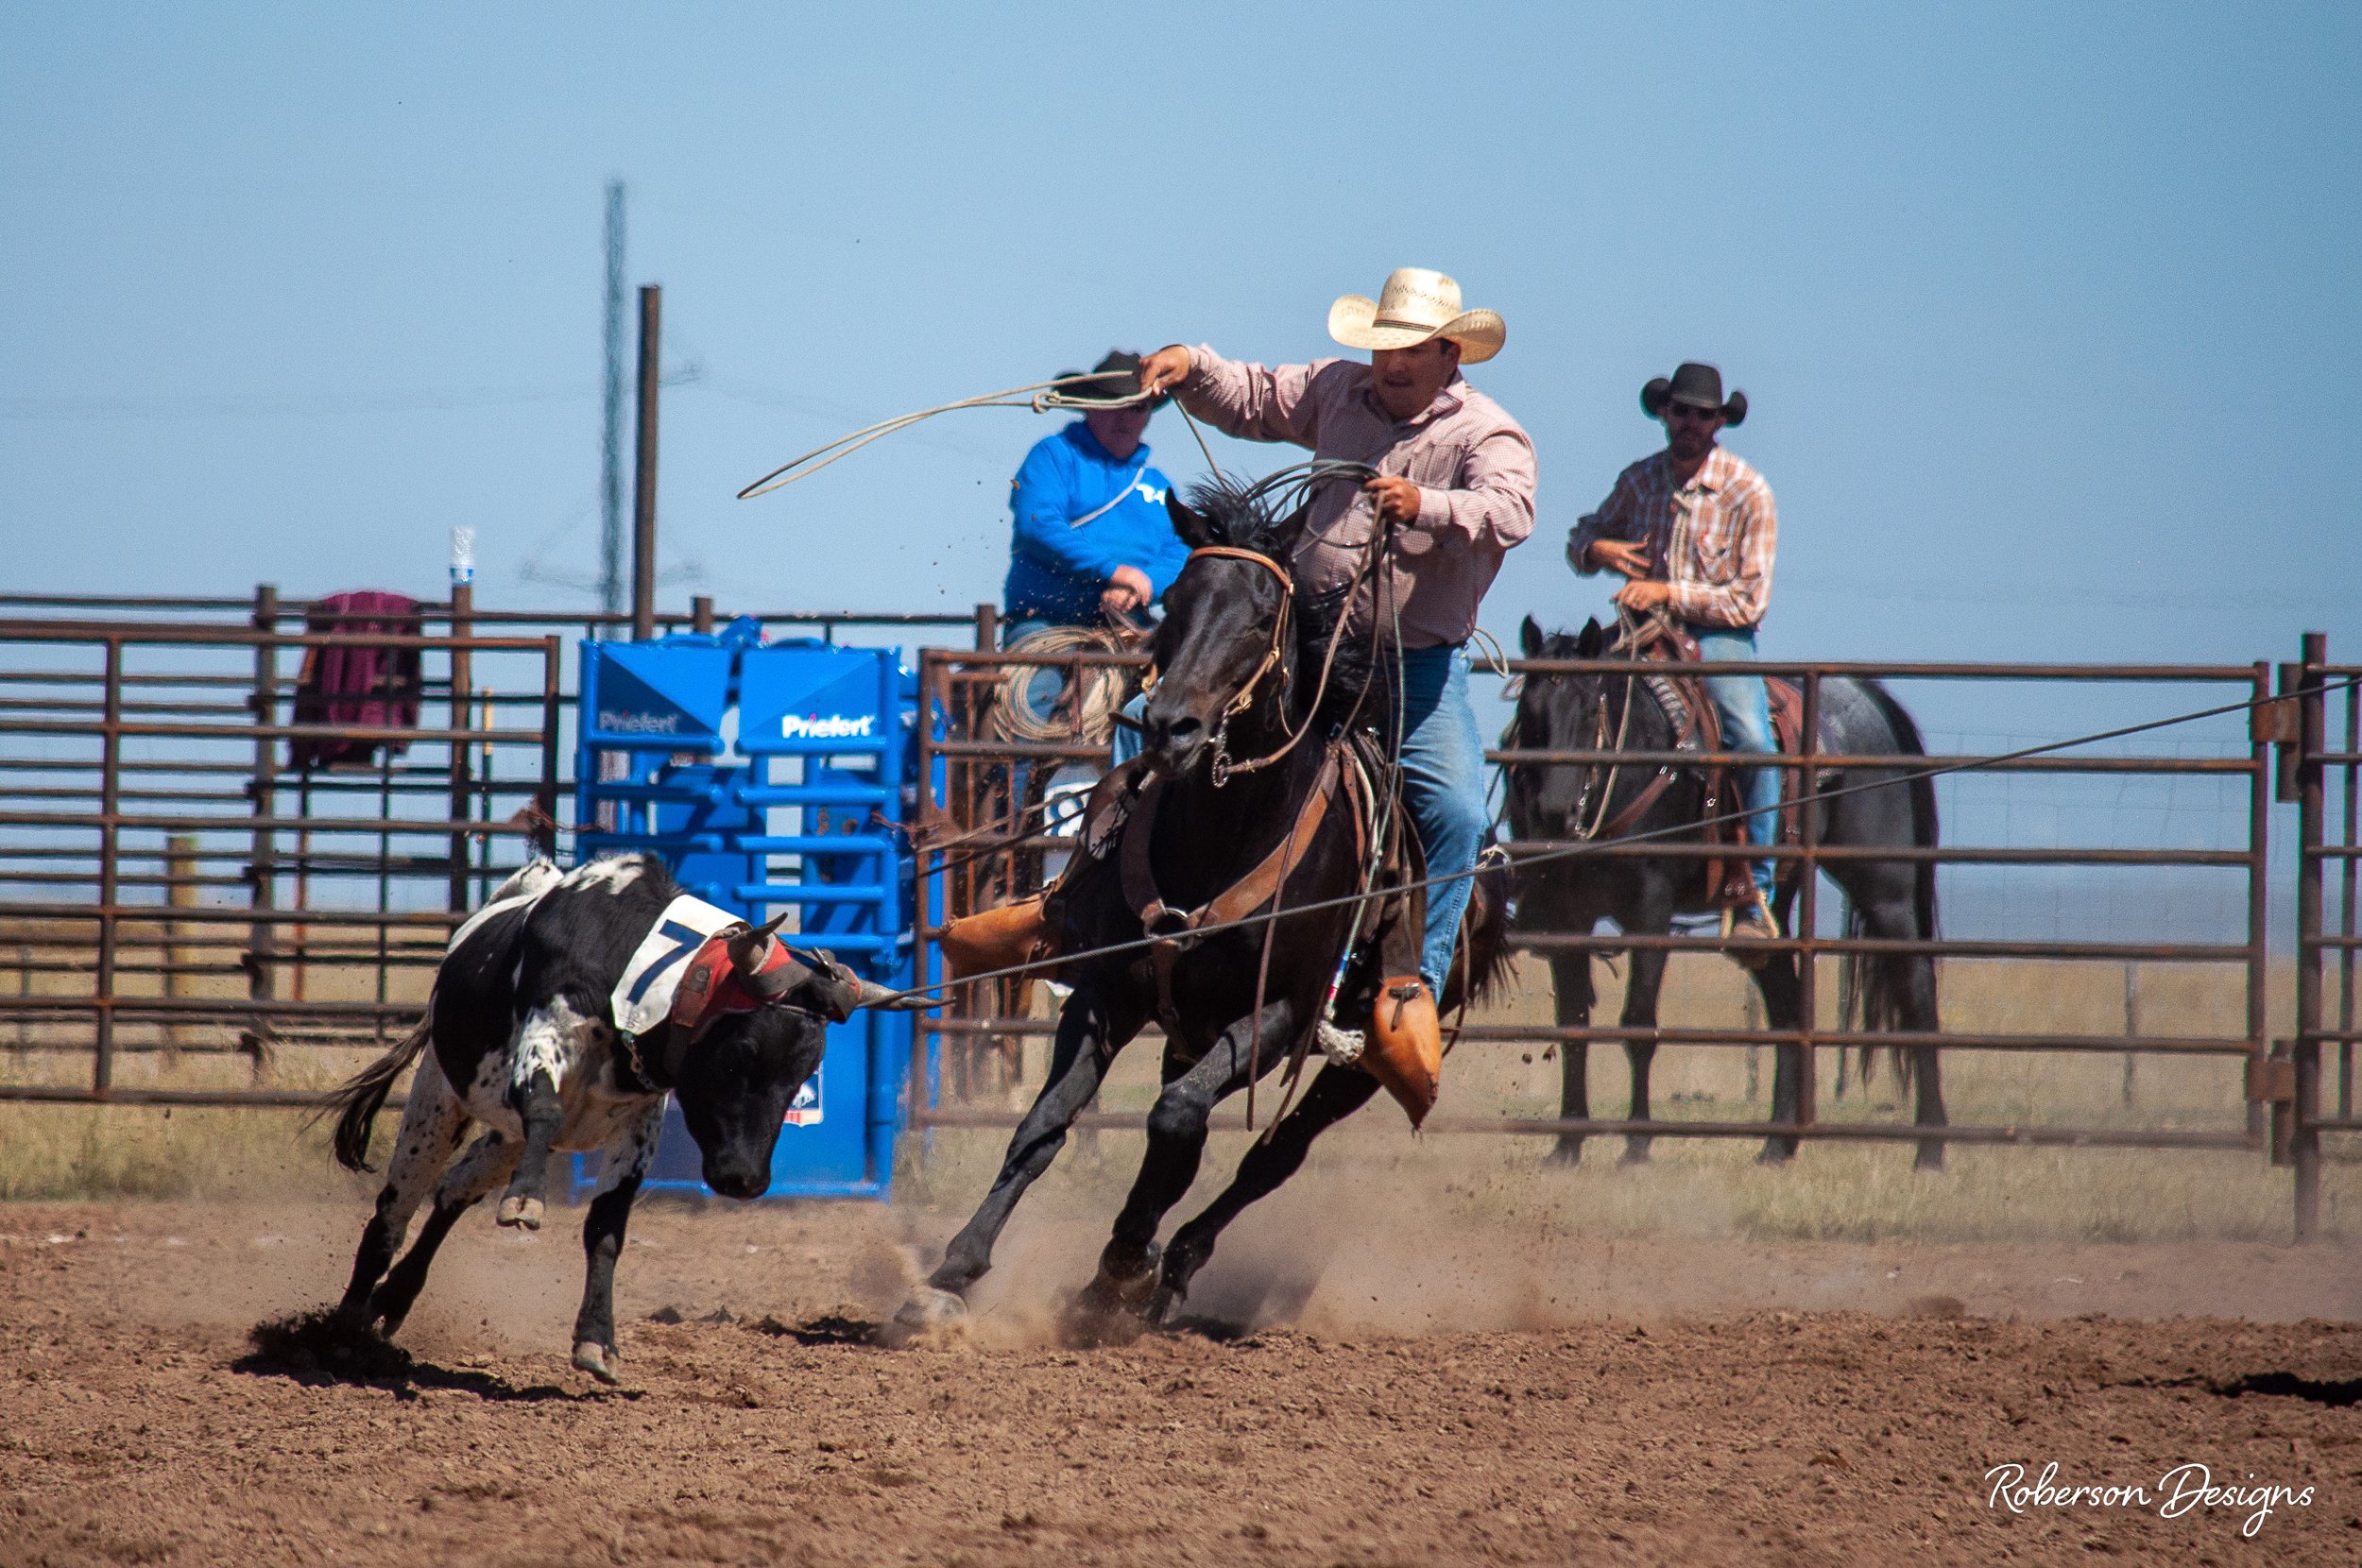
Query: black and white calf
563 1013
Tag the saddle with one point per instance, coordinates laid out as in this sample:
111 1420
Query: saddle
1404 1051
1697 727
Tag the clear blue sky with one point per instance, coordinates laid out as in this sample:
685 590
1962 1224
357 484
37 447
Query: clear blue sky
2047 313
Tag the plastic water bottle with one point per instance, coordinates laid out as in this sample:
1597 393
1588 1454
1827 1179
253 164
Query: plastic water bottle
462 555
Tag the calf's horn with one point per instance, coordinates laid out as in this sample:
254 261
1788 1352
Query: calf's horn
868 993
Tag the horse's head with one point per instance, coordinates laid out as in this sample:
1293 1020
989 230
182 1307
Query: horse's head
1224 647
1556 713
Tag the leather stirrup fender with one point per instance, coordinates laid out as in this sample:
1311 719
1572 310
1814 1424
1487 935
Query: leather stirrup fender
995 939
1405 1051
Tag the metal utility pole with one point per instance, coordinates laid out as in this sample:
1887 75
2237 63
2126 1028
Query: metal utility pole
644 493
611 432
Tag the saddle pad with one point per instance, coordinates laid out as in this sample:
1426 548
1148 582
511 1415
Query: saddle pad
643 995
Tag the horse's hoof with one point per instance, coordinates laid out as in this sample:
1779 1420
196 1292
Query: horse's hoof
1634 1156
1110 1310
929 1317
1929 1159
526 1212
600 1361
1567 1155
1772 1157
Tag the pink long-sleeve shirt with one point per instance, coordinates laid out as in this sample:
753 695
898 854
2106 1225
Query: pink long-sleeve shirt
1473 464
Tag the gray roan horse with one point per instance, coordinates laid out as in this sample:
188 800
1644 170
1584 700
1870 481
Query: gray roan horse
1886 899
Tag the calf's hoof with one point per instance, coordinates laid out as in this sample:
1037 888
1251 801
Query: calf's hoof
600 1361
527 1212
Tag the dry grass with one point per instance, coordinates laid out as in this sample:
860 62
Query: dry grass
1701 1187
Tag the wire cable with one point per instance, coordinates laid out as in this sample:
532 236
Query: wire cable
1671 831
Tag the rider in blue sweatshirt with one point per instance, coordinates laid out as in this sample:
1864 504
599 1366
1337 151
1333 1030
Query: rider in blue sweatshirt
1092 534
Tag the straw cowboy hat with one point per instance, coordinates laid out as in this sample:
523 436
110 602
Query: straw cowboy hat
1416 305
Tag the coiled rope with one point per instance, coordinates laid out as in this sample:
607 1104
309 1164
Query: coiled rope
1095 694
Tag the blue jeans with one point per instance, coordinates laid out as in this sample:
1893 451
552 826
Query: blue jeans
1746 709
1443 784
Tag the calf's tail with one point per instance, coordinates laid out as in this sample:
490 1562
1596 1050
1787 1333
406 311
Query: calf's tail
363 1096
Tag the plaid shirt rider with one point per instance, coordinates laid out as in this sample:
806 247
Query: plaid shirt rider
1711 541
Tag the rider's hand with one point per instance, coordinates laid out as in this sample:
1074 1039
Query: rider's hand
1127 590
1641 595
1396 498
1630 560
1164 369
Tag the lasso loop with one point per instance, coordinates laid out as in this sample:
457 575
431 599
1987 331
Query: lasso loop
1040 396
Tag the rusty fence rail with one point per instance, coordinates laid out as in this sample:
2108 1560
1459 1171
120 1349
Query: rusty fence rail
172 883
972 781
188 865
2321 769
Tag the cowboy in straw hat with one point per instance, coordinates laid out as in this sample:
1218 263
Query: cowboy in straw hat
1454 493
1692 530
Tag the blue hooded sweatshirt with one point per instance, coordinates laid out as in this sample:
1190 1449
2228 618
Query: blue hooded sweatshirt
1057 570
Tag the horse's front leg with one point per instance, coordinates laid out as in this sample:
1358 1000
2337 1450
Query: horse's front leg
1573 993
1090 1031
1335 1094
1116 1300
1653 915
1782 1008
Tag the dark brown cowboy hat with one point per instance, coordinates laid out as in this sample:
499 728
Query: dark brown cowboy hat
1116 375
1697 386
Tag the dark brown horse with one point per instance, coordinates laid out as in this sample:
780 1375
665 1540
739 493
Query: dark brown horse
1245 734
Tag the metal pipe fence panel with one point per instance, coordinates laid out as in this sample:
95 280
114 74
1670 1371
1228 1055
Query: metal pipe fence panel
974 779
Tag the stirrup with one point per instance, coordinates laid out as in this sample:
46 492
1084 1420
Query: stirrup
1341 1046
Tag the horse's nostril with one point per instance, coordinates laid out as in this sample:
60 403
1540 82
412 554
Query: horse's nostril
1184 728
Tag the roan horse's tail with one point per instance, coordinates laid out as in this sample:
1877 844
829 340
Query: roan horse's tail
365 1095
1872 987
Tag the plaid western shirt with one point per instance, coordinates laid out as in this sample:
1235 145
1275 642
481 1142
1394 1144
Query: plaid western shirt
1710 539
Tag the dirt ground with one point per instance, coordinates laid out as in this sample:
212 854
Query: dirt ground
1702 1403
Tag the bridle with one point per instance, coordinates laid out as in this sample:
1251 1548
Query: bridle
1274 658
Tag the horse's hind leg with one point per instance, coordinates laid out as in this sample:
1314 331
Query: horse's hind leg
1089 1034
1572 995
431 1125
1335 1094
1177 1125
484 1165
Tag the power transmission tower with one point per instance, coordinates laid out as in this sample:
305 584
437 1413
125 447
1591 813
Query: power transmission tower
611 434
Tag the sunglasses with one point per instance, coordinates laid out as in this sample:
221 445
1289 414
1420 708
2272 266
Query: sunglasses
1682 411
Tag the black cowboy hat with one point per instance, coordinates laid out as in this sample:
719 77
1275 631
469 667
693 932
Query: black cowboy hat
1118 375
1698 386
